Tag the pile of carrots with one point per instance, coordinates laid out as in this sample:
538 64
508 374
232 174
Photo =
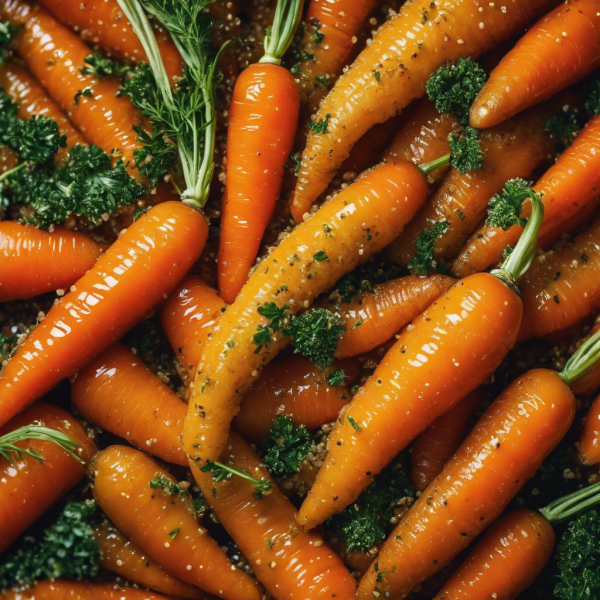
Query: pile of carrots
314 279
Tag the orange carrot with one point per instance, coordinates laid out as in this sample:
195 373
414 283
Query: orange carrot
164 525
557 51
30 486
128 280
407 49
290 563
504 450
589 383
34 262
589 443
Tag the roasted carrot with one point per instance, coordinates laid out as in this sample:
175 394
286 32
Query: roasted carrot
29 486
407 49
120 394
123 557
589 443
345 232
128 280
164 525
436 445
557 51
34 262
589 383
289 562
373 317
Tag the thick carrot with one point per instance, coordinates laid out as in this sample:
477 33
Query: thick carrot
374 317
29 487
557 51
128 280
123 557
120 394
510 555
164 526
436 445
589 443
34 262
566 187
358 222
407 49
101 22
289 562
504 450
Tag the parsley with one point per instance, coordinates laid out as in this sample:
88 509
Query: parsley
221 472
101 67
354 424
563 127
85 93
7 34
592 103
140 85
285 447
7 344
262 338
366 277
324 81
320 256
336 378
377 76
506 207
425 17
460 214
319 35
35 141
173 534
295 161
465 150
157 156
317 127
276 317
424 260
170 488
357 324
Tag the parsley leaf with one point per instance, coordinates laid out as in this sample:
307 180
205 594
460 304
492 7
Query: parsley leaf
336 378
35 140
424 261
317 127
506 207
465 150
101 67
7 34
285 447
563 126
157 156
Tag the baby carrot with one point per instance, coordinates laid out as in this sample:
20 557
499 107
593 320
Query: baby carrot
164 526
589 443
34 262
126 282
589 382
557 51
29 486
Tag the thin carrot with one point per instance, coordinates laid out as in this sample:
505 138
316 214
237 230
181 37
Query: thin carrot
291 563
589 383
30 486
128 280
34 262
164 525
407 49
120 394
557 51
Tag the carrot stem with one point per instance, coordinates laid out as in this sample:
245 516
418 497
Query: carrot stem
221 471
572 504
280 36
12 171
442 161
583 359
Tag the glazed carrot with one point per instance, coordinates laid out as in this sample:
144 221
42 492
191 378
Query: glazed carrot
120 394
128 280
262 124
8 159
589 443
566 187
289 562
508 558
101 22
358 222
373 318
164 526
407 49
557 51
123 557
508 444
34 262
29 487
589 383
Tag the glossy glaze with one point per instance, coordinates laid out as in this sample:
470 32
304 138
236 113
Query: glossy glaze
589 443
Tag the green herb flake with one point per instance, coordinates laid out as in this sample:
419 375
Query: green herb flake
354 424
320 127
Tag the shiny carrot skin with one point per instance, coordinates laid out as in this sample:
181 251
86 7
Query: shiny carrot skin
29 487
101 22
34 262
147 516
126 282
503 451
374 317
292 564
566 187
510 555
405 52
123 557
449 350
117 392
262 124
360 221
559 50
589 443
589 382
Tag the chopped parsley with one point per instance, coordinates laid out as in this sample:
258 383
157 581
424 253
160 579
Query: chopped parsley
354 424
563 127
100 66
285 447
506 207
336 378
320 256
85 93
7 34
318 127
276 317
424 260
465 150
366 277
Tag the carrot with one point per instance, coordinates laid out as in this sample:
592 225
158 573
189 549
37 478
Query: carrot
436 445
557 51
589 443
30 486
360 221
508 558
8 159
120 394
128 280
566 187
123 557
164 525
508 444
34 262
407 49
290 563
101 22
589 383
262 124
373 317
